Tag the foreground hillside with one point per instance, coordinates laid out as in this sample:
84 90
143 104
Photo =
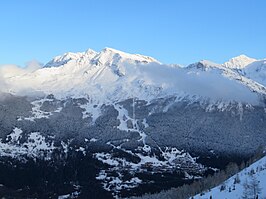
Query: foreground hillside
236 187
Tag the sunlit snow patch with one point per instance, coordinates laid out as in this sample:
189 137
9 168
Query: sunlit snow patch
35 145
37 113
91 110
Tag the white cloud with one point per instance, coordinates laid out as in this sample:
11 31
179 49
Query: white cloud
10 70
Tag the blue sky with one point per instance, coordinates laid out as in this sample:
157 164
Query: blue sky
173 31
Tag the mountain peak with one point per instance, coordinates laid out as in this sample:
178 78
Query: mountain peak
66 57
107 55
90 51
203 65
137 57
108 49
239 62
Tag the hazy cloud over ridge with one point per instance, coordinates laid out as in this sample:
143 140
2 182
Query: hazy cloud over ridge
10 70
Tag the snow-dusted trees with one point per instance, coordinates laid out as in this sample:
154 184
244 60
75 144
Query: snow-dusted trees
251 188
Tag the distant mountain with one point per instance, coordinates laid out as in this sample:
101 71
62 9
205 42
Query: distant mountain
115 75
239 62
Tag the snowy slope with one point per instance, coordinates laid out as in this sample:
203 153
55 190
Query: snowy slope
67 57
239 62
256 71
260 173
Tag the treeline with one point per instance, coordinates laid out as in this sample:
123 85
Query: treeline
205 184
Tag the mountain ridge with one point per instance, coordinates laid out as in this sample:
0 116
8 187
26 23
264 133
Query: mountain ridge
239 62
112 74
94 56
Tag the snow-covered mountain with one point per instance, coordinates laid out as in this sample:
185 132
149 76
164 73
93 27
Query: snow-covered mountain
132 115
256 71
110 78
115 75
239 62
67 57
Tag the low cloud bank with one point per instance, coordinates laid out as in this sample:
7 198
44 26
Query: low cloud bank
10 70
208 84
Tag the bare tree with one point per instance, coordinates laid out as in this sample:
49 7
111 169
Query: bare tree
237 179
251 188
246 190
231 169
255 186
